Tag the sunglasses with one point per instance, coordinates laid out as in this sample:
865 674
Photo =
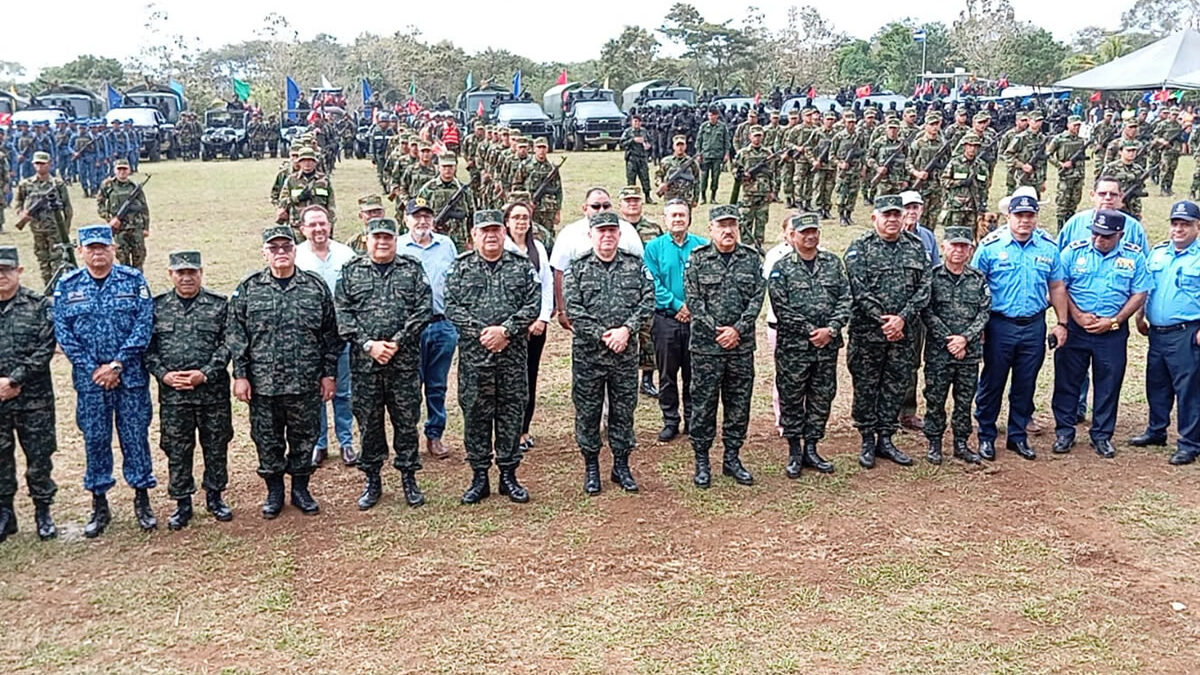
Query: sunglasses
280 248
601 206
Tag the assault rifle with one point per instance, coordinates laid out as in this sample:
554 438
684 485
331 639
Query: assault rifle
753 170
78 153
545 184
681 172
45 200
447 210
128 206
931 166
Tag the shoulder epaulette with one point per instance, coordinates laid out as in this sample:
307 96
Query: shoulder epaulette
1080 243
1130 246
990 238
1162 244
464 254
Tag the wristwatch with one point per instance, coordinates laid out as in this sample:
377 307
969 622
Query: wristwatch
116 367
366 347
1115 326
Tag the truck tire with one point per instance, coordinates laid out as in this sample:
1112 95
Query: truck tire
155 153
580 142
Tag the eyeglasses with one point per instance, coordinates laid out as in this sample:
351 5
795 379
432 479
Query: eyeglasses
601 206
280 248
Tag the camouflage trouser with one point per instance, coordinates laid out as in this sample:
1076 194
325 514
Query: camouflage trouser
398 392
869 191
1170 160
888 187
940 374
754 212
787 173
178 427
131 246
381 172
932 195
284 429
729 379
1196 176
951 218
909 406
592 385
646 347
681 190
879 372
493 403
991 168
44 239
543 219
459 232
710 178
1153 159
806 390
34 428
802 182
1066 199
1010 181
822 189
638 170
847 188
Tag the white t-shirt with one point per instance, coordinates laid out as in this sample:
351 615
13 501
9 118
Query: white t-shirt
330 268
775 254
575 240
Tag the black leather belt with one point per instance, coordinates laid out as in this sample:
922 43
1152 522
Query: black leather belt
1020 320
1175 327
437 317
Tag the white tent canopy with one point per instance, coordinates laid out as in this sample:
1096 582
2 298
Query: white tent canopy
1170 62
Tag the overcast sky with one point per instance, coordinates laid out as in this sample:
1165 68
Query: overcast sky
532 28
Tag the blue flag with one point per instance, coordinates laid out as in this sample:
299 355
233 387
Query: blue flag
366 91
919 35
470 80
292 96
1146 97
517 83
115 99
176 87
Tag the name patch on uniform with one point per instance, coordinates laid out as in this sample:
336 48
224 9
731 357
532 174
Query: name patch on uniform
76 296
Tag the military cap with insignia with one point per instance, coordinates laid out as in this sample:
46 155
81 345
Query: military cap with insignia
382 226
96 234
417 204
971 138
447 159
277 232
804 221
121 164
488 218
630 192
370 202
723 211
958 234
306 152
884 203
1107 222
9 257
184 260
604 219
40 157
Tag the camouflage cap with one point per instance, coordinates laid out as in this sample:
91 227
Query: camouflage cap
971 138
753 112
9 256
1037 115
933 118
724 211
1131 122
774 113
794 112
1074 119
885 203
370 202
679 139
521 140
630 192
447 159
604 219
540 142
1136 145
756 130
804 221
1022 115
423 144
307 152
382 226
184 260
278 232
121 164
830 115
981 117
892 123
488 218
296 148
96 234
870 112
40 157
848 116
519 196
959 235
477 125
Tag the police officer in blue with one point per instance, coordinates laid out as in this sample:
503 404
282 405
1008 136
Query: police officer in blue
1024 273
103 319
1171 317
62 149
133 145
1107 283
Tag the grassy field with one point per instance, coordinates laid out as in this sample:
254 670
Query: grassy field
1065 565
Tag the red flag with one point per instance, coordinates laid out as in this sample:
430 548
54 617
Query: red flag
1094 97
562 77
1161 95
862 91
757 98
812 92
479 110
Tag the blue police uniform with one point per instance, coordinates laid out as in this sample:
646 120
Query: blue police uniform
133 145
1019 275
97 323
1098 283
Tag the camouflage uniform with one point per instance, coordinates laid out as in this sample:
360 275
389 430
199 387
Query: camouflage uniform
44 224
415 176
1168 134
965 183
756 191
131 237
546 210
637 163
456 224
684 187
958 305
849 147
1062 148
799 139
1028 147
921 152
823 176
300 190
648 230
787 164
1132 180
883 149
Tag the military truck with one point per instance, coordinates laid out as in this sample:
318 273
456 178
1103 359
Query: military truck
583 116
521 114
168 102
78 103
158 135
656 93
480 97
224 134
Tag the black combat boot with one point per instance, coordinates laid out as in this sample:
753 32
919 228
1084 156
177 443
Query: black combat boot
412 492
141 509
217 506
274 502
866 453
731 465
621 475
888 450
795 465
301 498
648 388
814 461
963 451
843 217
479 490
509 487
182 515
591 473
372 491
934 455
100 517
45 523
703 475
8 520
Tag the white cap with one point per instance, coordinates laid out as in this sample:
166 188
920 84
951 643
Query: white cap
1002 205
1026 191
911 197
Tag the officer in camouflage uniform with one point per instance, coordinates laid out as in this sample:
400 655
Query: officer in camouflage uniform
383 304
1112 151
438 191
289 165
756 170
188 357
1022 124
787 163
1169 136
824 165
283 341
370 207
773 132
47 196
610 297
802 140
629 201
925 161
379 134
723 285
305 187
886 159
259 132
1131 177
492 297
889 280
547 213
133 227
989 146
1060 150
741 134
1026 154
1102 134
958 309
810 296
871 129
417 175
26 397
849 149
965 183
472 149
682 186
636 144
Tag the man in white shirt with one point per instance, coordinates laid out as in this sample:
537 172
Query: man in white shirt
323 256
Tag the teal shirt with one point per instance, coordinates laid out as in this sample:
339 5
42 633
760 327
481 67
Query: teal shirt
665 259
1101 283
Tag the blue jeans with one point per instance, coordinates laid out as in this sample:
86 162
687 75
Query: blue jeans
438 341
343 416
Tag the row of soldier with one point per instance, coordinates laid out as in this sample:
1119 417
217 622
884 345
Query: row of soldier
79 150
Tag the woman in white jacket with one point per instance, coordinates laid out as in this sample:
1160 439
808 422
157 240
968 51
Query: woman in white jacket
518 222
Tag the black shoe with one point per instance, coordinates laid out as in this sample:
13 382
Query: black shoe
703 475
479 490
813 460
668 432
1022 448
319 455
45 524
1146 439
1182 457
141 509
648 388
1104 448
866 453
591 474
510 487
217 506
182 515
650 200
301 498
963 451
412 492
886 449
372 491
621 475
1062 444
273 504
934 454
100 517
731 465
8 521
987 450
795 465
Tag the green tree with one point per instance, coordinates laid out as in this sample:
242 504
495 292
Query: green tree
1162 17
856 64
713 48
630 57
899 56
87 71
1032 56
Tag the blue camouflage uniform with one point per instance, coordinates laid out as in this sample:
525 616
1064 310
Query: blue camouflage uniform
133 145
97 324
1173 362
1098 283
1018 275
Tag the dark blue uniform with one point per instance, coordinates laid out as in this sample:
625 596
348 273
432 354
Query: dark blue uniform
1173 363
